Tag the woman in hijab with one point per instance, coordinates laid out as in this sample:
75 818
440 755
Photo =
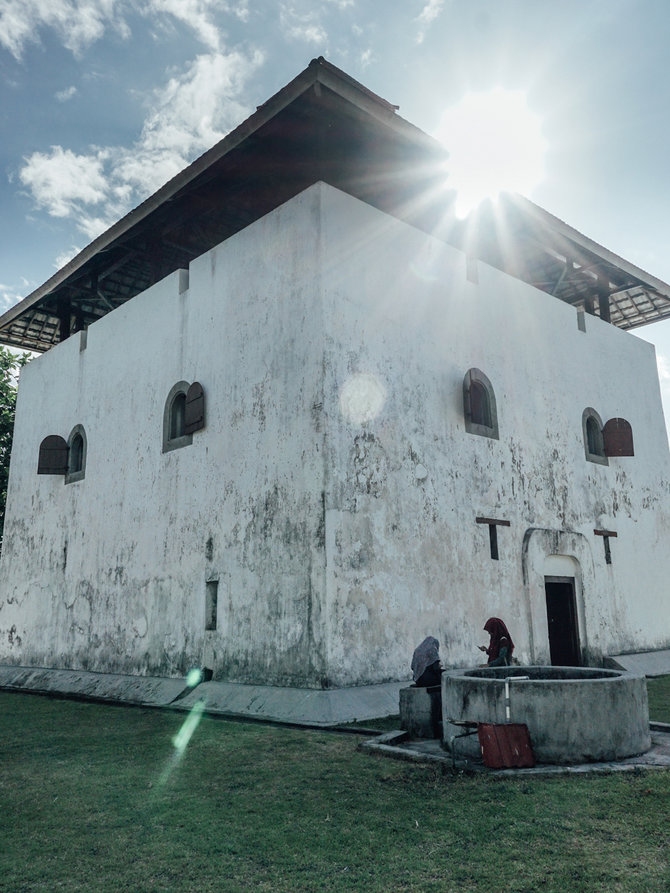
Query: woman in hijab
501 645
426 667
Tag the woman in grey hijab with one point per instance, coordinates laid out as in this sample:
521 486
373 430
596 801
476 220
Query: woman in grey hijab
426 667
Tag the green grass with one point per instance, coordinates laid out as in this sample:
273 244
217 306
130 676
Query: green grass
95 798
383 724
658 690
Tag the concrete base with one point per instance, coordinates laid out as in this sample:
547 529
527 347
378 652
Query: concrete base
301 706
399 746
290 705
648 663
149 691
421 711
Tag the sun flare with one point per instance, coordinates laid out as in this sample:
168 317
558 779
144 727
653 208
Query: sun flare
495 145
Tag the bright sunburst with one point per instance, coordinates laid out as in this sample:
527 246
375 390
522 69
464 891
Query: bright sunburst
495 144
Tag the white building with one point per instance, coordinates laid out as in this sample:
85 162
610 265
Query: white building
396 425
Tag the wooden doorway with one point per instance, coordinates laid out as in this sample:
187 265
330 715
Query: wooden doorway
562 622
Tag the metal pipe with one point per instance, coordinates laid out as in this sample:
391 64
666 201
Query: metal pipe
508 710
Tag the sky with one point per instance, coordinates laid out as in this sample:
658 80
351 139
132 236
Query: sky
102 101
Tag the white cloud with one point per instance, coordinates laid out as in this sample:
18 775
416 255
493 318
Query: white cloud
191 113
77 23
8 297
301 26
194 13
188 115
195 110
64 95
66 256
62 181
430 12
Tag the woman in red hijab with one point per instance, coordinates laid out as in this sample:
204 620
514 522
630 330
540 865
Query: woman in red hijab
498 632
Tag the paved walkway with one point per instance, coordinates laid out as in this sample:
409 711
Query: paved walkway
399 746
649 663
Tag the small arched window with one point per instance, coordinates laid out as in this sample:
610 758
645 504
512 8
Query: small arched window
76 459
594 443
177 413
76 454
184 414
479 405
594 436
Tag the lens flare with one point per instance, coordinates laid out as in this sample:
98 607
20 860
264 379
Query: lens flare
495 145
194 677
362 398
190 724
180 742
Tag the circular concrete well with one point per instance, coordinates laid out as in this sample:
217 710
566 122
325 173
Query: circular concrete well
573 714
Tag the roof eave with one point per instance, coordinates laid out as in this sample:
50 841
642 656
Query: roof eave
264 113
319 71
558 226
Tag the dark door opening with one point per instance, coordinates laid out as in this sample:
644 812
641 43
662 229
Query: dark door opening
562 622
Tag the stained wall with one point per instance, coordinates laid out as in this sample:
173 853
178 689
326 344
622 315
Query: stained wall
405 556
333 492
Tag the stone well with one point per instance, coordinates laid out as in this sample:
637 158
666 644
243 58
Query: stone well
573 714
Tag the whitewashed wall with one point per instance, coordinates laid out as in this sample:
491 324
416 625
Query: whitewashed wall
334 490
144 530
405 557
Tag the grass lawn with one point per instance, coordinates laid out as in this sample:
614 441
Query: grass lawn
98 798
658 690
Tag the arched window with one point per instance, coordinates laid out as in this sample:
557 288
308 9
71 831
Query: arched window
76 454
76 458
184 414
594 436
592 430
177 412
479 405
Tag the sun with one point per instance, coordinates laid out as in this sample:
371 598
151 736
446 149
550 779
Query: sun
495 145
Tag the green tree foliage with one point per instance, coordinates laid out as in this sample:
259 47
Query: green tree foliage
10 366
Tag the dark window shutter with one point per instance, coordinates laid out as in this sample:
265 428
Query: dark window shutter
53 455
195 409
618 437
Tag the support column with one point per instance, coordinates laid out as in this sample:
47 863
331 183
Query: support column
64 319
604 300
